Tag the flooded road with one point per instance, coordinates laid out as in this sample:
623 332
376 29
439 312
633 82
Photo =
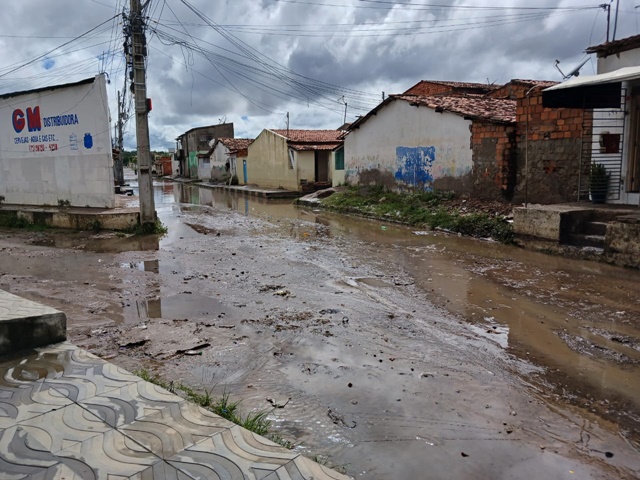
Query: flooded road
402 352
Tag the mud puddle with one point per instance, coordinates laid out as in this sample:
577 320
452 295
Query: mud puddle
396 352
181 306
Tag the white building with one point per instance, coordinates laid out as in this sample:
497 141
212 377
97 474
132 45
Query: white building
228 158
614 95
56 146
424 142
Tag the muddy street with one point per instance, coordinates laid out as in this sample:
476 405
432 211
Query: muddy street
390 352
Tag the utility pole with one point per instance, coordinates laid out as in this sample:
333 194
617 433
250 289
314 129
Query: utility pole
287 124
138 54
615 21
607 8
118 168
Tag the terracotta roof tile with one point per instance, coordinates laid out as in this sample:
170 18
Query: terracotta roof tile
236 145
535 83
616 46
483 86
311 139
469 106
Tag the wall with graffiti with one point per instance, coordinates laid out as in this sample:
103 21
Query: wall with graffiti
406 147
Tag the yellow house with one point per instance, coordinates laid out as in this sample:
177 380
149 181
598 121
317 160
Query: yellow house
291 159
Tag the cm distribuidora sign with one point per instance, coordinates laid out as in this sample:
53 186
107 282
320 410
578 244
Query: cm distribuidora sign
55 145
70 119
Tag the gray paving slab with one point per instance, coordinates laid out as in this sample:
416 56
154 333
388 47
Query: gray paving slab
67 414
25 324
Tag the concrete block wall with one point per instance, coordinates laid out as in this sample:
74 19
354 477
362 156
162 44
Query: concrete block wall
494 167
554 149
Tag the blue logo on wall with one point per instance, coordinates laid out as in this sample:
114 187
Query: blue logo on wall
88 141
413 165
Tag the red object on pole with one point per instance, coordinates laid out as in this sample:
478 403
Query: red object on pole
149 105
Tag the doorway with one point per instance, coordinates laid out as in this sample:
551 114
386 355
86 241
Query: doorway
322 165
633 167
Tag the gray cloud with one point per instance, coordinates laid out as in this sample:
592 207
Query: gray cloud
410 45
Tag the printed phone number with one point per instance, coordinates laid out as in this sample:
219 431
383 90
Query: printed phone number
52 147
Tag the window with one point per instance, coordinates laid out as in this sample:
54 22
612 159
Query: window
291 159
340 159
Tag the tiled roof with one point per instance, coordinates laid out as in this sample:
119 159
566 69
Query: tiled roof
318 136
475 107
616 46
445 87
484 86
236 145
535 83
311 139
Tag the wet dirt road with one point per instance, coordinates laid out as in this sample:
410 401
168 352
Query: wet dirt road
401 355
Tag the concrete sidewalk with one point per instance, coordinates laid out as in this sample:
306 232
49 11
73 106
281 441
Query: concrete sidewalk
67 414
252 190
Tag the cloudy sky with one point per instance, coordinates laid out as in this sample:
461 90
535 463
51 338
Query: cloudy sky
251 61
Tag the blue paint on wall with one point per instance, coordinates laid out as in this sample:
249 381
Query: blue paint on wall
413 166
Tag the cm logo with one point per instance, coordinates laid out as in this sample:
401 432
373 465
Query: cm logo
33 120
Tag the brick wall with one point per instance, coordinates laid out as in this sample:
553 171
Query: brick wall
494 149
554 150
511 90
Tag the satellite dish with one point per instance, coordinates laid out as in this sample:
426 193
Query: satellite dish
573 73
576 71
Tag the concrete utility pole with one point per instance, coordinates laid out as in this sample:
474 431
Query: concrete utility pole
139 52
118 168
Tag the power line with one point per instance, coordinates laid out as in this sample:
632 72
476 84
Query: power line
426 7
56 48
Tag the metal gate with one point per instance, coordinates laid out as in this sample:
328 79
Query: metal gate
603 142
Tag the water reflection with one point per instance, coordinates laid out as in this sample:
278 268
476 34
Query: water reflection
145 266
181 306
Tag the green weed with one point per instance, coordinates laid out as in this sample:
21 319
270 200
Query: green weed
421 209
156 228
223 406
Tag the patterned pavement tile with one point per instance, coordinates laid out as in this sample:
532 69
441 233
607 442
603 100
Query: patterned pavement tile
65 414
61 429
107 456
22 402
22 456
132 402
235 453
302 468
13 307
175 428
162 471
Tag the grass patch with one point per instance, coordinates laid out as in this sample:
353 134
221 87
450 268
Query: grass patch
421 209
325 460
223 406
156 228
12 220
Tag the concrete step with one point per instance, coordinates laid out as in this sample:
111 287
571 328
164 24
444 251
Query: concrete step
25 324
594 228
582 240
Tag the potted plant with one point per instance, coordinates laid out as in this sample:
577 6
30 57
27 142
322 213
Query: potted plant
598 183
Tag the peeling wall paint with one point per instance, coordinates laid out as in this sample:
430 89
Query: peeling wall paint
414 166
408 147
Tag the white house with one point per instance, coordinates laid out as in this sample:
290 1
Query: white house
614 95
228 158
424 142
292 159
